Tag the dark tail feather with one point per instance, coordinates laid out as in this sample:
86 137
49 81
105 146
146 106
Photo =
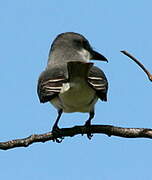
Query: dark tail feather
78 69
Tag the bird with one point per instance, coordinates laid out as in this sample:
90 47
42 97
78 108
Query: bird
70 82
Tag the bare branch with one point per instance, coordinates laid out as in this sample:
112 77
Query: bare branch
139 63
64 132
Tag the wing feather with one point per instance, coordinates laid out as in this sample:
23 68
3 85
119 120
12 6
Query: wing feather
98 82
50 83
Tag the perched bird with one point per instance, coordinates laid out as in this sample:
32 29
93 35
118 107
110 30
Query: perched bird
70 82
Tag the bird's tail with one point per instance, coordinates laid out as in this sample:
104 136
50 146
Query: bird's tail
78 69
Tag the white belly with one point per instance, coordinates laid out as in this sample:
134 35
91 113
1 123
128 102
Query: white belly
75 97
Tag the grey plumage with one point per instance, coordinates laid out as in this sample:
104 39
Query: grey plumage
51 80
70 82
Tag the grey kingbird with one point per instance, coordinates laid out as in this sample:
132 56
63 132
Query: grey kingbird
70 82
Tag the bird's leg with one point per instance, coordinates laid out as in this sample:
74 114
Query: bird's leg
88 124
56 129
55 126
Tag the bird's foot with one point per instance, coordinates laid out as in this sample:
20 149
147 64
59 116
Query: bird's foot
56 131
88 126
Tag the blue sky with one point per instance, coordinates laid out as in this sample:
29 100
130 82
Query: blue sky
27 30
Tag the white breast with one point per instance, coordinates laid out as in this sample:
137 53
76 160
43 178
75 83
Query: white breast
75 97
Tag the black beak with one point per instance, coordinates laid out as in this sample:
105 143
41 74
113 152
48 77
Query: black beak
98 56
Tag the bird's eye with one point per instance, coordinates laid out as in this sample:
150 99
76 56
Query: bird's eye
82 44
78 42
86 45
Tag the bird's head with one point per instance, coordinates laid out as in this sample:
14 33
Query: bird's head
76 45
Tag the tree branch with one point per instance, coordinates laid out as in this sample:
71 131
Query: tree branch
139 64
100 129
64 132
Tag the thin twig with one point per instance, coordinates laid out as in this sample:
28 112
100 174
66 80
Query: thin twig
139 63
64 132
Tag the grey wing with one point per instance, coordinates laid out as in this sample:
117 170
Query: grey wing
98 82
50 84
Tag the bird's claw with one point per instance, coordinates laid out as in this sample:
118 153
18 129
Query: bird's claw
89 136
58 140
88 125
55 132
